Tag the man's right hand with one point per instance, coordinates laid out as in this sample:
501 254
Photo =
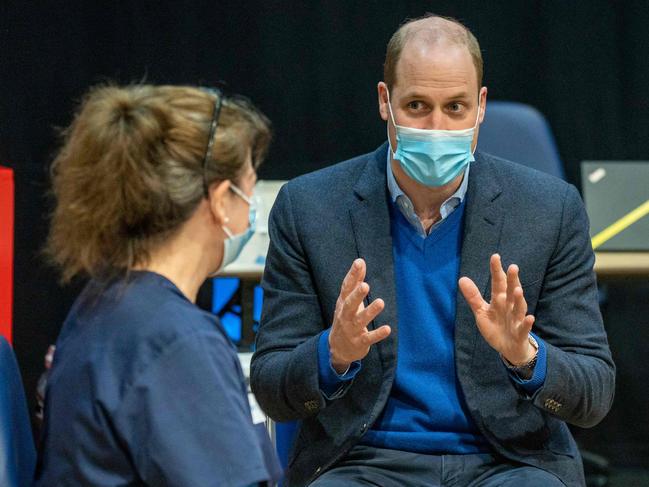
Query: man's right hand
349 339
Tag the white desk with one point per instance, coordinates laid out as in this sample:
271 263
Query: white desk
607 265
622 264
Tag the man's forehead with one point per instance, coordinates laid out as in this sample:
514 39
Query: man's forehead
440 65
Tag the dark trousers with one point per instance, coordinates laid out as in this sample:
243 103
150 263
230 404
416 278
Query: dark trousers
366 465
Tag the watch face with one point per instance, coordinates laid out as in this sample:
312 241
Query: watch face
530 365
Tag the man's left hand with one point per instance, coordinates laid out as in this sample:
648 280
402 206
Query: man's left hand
504 323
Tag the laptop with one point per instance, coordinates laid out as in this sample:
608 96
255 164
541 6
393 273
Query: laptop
616 194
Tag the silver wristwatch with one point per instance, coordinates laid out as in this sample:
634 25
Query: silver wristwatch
524 371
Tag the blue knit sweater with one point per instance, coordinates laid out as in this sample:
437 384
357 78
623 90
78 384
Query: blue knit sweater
426 411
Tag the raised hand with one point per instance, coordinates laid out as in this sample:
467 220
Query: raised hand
504 323
349 339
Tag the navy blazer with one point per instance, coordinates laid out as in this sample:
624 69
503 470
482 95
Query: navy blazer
322 221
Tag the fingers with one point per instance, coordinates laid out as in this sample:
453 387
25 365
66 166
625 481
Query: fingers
472 294
515 296
355 275
519 304
353 301
527 324
364 317
516 305
512 283
375 336
498 276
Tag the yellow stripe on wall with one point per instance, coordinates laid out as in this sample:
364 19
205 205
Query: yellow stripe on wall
624 222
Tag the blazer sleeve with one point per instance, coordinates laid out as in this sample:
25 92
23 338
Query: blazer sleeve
284 368
580 377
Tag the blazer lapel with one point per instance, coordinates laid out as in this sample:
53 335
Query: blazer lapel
482 229
370 218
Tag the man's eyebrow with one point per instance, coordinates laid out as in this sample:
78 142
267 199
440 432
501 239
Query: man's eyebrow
415 94
460 95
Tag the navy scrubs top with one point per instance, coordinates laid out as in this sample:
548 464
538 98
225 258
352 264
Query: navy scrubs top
147 389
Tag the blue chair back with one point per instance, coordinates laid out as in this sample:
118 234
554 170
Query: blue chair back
17 452
284 438
520 133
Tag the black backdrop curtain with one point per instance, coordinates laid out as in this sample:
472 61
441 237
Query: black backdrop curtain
313 68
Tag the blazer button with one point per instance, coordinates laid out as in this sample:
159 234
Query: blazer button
317 470
364 428
552 404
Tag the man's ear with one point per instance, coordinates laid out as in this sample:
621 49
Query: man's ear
382 90
483 104
217 197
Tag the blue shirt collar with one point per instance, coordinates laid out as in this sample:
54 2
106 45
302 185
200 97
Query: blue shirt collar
401 200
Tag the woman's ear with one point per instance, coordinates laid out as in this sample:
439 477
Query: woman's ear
217 197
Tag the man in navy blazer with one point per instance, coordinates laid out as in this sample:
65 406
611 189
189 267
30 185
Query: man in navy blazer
431 315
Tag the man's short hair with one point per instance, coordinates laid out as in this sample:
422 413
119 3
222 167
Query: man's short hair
454 33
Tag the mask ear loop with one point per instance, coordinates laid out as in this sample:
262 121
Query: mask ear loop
475 125
226 230
477 117
251 204
390 107
393 122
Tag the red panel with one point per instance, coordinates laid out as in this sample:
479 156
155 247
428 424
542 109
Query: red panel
6 250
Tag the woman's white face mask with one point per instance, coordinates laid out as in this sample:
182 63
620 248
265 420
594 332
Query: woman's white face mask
234 244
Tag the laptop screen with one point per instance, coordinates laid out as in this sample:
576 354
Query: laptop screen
616 194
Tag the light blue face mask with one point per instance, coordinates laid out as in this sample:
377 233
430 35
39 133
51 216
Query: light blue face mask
234 244
433 157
